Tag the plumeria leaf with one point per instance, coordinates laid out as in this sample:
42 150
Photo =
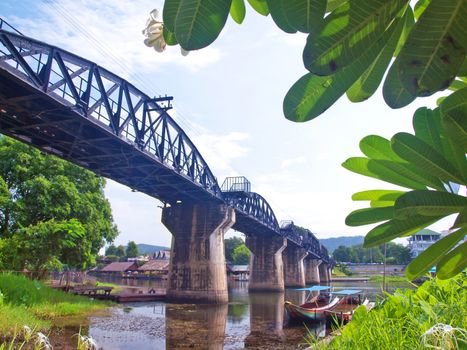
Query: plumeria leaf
378 195
461 219
305 16
333 4
311 95
429 203
347 33
452 263
367 84
397 228
169 37
430 256
380 204
278 10
199 22
420 7
169 14
394 93
427 127
377 147
238 11
435 49
425 157
367 216
457 85
260 6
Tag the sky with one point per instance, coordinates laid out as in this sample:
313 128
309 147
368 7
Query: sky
228 99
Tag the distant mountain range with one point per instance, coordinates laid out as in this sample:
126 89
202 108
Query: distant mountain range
149 248
332 243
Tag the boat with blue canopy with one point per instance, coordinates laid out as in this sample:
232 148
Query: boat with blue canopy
318 301
350 300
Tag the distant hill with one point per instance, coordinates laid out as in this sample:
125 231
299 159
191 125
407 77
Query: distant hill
148 248
332 243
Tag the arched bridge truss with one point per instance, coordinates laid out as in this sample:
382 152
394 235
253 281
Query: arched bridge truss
73 108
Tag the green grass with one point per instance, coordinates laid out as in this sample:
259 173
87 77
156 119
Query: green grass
31 303
400 320
116 288
378 278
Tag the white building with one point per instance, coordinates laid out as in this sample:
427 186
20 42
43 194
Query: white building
422 240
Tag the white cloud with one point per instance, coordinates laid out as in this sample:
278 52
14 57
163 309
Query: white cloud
293 161
109 33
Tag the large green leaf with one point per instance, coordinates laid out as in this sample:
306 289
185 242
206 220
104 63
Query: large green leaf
367 216
461 220
169 37
278 10
199 22
429 203
452 263
397 228
434 253
238 11
394 93
347 33
305 15
260 6
420 7
379 169
169 14
377 147
435 48
367 84
311 95
427 127
333 4
425 157
377 195
381 204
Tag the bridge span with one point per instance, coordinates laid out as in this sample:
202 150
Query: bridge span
71 107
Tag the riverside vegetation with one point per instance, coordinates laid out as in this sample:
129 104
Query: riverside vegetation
25 302
432 316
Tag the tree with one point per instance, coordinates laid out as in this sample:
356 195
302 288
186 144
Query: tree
352 56
111 250
131 250
120 251
53 213
241 255
229 245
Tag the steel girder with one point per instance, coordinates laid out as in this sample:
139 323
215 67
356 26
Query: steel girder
83 96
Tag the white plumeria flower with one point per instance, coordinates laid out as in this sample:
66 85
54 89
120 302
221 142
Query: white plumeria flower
154 33
89 343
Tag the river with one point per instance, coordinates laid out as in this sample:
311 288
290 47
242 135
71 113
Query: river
249 320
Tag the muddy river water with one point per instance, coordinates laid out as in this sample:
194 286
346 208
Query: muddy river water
253 321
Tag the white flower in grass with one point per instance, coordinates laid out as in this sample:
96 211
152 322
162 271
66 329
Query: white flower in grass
89 343
443 336
42 341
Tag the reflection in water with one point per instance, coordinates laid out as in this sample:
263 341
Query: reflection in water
195 326
266 319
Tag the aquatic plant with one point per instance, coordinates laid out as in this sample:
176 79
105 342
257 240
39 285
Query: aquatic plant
433 316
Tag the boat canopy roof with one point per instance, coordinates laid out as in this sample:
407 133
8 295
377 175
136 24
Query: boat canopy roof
346 292
315 288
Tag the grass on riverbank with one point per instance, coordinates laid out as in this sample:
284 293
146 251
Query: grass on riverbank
378 278
31 303
409 319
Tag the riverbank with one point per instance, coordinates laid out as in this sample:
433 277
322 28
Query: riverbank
433 315
25 302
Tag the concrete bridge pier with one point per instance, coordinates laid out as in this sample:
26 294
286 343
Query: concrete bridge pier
324 273
312 271
197 271
266 266
294 270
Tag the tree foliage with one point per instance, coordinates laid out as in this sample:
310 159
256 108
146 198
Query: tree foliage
395 254
350 48
131 250
241 255
53 213
229 245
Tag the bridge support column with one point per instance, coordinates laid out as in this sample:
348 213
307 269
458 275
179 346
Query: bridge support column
312 271
266 266
324 273
197 261
294 270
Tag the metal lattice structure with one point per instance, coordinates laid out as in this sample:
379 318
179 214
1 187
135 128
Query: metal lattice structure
71 107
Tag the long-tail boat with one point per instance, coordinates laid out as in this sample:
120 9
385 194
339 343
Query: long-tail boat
351 299
315 307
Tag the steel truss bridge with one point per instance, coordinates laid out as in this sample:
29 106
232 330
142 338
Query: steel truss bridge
71 107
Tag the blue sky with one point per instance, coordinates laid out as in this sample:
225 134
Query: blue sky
228 98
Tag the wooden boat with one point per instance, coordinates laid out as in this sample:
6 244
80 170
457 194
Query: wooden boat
351 299
314 309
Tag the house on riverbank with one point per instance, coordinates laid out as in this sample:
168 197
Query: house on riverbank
119 268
